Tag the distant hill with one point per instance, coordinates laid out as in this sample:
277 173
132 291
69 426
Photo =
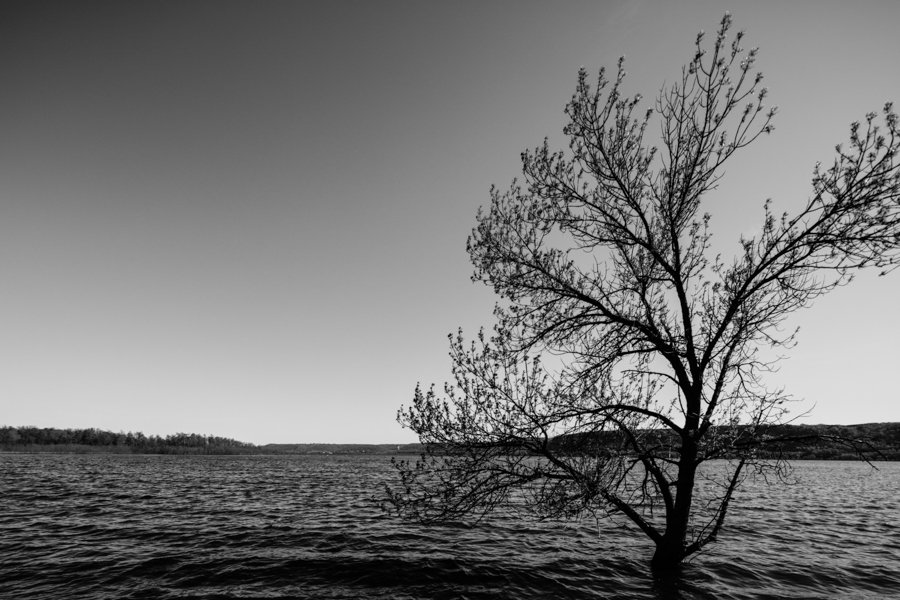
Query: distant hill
875 441
880 441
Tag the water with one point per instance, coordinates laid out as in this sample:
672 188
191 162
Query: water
124 526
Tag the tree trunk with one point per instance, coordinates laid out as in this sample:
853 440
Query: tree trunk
670 549
669 553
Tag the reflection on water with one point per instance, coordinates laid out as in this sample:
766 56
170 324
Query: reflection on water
111 526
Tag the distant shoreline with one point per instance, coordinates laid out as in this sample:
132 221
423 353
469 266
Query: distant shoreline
880 441
332 449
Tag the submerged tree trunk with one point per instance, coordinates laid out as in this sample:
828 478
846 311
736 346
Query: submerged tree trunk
671 549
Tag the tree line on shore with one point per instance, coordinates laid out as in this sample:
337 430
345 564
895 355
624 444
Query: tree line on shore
51 439
875 441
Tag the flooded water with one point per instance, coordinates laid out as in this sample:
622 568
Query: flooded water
125 526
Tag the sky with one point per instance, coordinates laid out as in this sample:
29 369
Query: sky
249 219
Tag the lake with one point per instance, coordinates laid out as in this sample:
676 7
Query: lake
137 526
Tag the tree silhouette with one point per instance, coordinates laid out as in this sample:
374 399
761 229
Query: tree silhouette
624 355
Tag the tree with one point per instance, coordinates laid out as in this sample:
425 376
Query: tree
625 355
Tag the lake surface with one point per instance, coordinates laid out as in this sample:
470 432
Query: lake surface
126 526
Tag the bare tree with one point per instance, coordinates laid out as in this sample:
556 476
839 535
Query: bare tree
624 354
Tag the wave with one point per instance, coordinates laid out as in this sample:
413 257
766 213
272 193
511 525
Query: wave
120 526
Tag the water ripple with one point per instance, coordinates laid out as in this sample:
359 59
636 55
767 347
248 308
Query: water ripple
121 526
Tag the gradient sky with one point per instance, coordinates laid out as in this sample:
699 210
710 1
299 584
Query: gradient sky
249 219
